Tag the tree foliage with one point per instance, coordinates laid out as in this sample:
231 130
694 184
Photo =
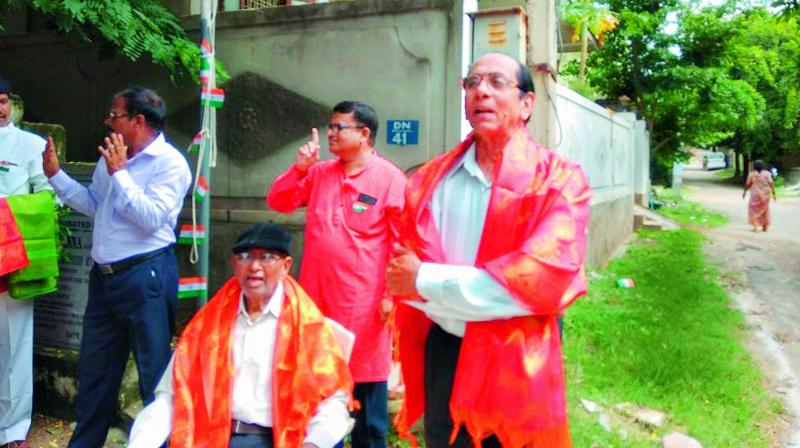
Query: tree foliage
134 28
705 76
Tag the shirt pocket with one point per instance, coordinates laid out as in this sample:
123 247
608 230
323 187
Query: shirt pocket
11 179
363 218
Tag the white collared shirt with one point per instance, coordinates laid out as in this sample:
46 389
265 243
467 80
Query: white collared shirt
458 292
253 347
21 162
135 210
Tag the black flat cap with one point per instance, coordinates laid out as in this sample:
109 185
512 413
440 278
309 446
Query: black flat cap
5 85
269 236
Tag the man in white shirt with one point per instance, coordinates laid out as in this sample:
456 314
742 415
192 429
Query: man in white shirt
135 197
494 238
258 366
20 173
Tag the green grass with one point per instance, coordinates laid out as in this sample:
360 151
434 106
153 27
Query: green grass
687 212
725 173
672 343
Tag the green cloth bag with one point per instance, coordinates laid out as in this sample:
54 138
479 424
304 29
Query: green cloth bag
37 221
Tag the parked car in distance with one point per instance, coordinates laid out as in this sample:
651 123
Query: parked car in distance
713 160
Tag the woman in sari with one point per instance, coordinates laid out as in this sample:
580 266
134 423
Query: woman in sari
759 182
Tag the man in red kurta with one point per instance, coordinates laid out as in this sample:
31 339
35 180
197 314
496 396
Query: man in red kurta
493 243
353 204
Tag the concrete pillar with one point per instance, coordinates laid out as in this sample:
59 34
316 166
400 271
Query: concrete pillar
542 60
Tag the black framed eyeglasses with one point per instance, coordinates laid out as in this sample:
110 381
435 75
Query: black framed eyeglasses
336 127
266 257
114 115
497 81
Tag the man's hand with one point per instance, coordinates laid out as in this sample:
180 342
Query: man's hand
385 309
401 273
308 154
115 153
50 164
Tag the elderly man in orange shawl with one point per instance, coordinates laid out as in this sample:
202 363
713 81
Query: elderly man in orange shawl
493 243
257 367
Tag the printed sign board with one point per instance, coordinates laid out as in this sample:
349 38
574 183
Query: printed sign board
402 132
58 317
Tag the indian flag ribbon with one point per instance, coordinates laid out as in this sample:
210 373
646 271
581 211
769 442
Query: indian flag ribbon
625 283
197 140
191 287
359 207
201 189
205 71
205 48
189 233
214 96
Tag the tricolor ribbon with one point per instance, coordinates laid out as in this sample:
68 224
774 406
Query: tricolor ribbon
191 287
205 48
215 97
205 71
197 140
190 233
201 189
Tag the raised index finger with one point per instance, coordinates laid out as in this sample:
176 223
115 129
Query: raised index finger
315 136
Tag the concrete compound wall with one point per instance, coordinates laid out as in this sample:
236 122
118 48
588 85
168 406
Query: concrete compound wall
613 149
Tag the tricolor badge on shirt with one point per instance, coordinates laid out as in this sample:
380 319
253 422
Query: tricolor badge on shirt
191 287
363 203
215 97
190 233
6 166
201 189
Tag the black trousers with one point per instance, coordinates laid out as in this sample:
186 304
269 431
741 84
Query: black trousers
372 420
251 441
129 311
441 358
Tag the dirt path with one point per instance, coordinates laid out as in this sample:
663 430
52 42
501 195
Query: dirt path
762 271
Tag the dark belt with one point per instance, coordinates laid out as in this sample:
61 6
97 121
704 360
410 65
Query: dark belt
119 266
239 427
3 284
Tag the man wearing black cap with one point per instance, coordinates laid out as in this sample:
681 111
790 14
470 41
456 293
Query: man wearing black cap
258 366
20 173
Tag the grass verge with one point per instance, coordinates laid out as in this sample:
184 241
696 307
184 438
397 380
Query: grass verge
687 212
672 343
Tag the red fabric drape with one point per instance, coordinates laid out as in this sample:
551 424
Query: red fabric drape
308 367
12 251
509 379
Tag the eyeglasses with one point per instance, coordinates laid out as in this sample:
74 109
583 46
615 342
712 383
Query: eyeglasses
497 81
266 257
336 127
114 115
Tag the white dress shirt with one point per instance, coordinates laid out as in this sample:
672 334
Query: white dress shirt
458 292
135 210
21 162
253 346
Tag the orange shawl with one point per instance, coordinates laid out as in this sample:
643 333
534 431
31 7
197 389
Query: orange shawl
12 250
308 367
509 378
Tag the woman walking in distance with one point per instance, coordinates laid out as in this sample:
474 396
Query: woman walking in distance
759 182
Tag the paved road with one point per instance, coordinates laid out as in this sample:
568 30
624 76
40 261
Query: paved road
768 289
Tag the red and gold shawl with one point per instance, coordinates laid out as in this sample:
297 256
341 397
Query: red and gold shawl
308 367
509 378
12 250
